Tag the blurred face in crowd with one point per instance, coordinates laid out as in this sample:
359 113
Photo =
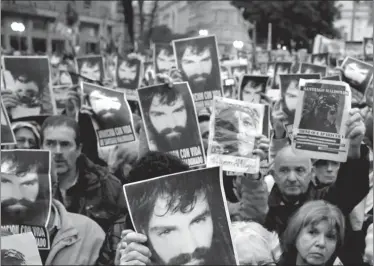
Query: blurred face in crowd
169 121
65 78
247 129
127 73
27 90
181 238
290 97
316 243
197 66
60 141
165 61
25 138
292 173
251 92
326 171
18 192
60 94
204 130
91 71
104 106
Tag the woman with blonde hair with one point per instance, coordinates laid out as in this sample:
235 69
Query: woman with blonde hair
313 235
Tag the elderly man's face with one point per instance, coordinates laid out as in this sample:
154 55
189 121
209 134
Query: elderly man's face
165 61
91 72
247 129
290 96
181 238
103 105
26 90
251 92
169 121
326 171
197 66
127 73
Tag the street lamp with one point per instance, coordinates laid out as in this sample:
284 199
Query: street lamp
18 27
203 32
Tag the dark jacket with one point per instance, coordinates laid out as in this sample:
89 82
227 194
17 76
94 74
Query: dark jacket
97 194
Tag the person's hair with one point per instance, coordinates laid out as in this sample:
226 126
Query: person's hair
12 257
310 214
21 162
254 244
129 62
182 193
256 82
154 164
61 120
196 45
165 47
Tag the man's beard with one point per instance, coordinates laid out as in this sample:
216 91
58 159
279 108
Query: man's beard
20 216
199 254
201 83
127 83
113 120
169 143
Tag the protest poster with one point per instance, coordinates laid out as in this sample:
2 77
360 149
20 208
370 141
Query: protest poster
7 135
20 249
253 88
60 93
90 67
270 69
63 71
170 122
354 49
29 77
40 233
225 72
323 44
319 130
368 49
163 58
306 68
335 77
129 76
148 70
199 210
357 74
229 88
280 68
112 114
238 71
197 59
320 59
233 127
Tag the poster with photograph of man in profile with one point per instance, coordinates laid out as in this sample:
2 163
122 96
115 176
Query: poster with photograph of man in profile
198 60
112 114
238 72
7 135
163 58
19 249
280 68
233 127
252 88
90 67
170 121
354 49
368 49
29 77
320 59
185 218
129 76
306 68
320 120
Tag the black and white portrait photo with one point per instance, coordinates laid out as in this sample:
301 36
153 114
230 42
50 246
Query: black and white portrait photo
238 72
320 59
25 187
63 71
357 73
252 88
169 117
368 48
197 58
128 73
30 78
306 68
280 68
60 93
7 135
91 67
353 48
184 217
164 58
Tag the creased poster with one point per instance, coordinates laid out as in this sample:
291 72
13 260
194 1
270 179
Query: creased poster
198 60
335 77
320 120
354 49
129 76
163 58
266 131
238 71
91 67
26 192
40 233
233 127
112 115
368 49
306 68
63 71
320 59
29 77
280 68
170 122
7 135
20 249
196 231
253 88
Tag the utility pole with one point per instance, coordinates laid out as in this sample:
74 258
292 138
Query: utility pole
254 44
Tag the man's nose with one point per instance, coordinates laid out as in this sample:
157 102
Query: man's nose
329 167
292 177
189 243
16 193
321 241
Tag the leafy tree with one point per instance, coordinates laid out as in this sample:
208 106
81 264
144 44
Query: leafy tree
163 34
292 21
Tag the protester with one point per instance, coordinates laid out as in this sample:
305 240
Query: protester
27 135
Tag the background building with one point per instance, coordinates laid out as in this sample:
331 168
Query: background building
97 18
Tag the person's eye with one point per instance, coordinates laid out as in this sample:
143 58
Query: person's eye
164 232
28 184
4 181
65 144
313 232
300 170
331 236
200 220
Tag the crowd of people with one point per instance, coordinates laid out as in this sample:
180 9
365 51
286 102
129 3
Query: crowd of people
299 211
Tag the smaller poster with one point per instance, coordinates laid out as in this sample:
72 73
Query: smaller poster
238 71
354 49
252 88
7 135
225 72
335 77
280 68
233 127
319 130
90 67
320 59
129 76
163 58
368 49
63 71
306 68
170 122
20 249
112 114
185 218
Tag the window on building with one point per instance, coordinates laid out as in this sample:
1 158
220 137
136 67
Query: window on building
39 24
58 46
92 48
39 45
18 43
87 4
